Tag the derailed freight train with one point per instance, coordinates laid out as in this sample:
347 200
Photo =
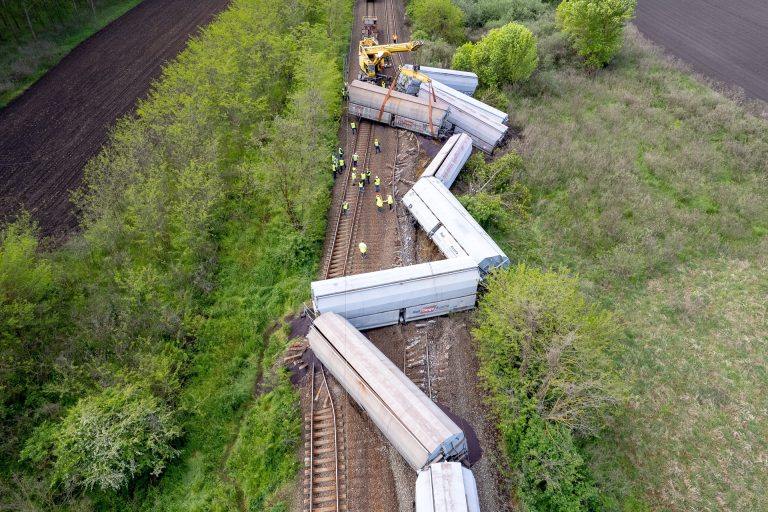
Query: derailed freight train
415 426
420 115
446 487
400 294
450 225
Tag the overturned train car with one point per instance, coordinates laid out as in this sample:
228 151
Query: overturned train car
397 109
463 81
417 428
400 294
446 487
450 159
463 117
450 225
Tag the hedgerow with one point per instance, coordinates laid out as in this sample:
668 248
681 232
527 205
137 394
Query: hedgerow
547 361
185 258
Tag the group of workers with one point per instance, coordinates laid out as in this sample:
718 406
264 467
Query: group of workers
360 178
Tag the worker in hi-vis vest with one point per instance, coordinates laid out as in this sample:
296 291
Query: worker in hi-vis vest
360 186
376 145
354 127
377 184
363 248
390 201
345 207
354 173
354 158
379 204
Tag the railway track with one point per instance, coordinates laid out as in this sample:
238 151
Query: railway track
342 246
324 461
416 358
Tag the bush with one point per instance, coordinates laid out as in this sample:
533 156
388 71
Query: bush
547 361
483 13
26 285
595 27
506 54
438 18
108 438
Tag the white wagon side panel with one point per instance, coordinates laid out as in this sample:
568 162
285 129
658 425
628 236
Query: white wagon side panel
375 299
457 227
416 426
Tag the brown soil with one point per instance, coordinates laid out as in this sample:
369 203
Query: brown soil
49 133
723 40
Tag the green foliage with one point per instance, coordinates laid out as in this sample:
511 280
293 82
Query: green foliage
495 13
27 282
263 457
595 27
441 19
652 186
546 359
487 209
185 259
107 439
506 54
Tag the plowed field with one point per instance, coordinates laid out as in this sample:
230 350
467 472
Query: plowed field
50 132
725 40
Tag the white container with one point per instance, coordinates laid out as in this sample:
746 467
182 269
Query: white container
446 487
450 159
463 81
450 225
385 297
415 426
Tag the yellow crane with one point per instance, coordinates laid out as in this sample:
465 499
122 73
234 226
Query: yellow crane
373 57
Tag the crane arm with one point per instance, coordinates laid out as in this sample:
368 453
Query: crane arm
391 48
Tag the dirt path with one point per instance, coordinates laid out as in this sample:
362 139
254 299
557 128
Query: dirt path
49 133
726 41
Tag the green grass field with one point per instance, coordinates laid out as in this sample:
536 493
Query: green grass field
654 188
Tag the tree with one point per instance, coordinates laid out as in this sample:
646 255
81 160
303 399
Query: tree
107 439
595 27
438 18
506 54
544 338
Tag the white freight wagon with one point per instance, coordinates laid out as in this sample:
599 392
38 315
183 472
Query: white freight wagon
405 111
463 81
400 294
443 91
450 159
450 225
446 487
417 428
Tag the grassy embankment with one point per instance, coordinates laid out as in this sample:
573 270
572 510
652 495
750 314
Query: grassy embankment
203 225
59 28
653 187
